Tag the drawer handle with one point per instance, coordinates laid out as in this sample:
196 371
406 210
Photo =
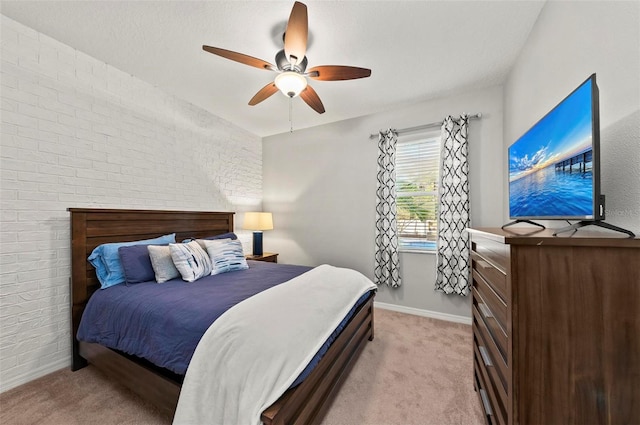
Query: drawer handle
484 264
485 402
485 310
485 356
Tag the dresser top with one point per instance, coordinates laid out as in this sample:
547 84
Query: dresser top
534 236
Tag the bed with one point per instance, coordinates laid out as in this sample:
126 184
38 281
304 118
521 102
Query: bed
306 403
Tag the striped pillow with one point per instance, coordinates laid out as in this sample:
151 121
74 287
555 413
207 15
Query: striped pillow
226 256
191 261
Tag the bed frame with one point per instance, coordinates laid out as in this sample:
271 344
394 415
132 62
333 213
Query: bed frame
305 404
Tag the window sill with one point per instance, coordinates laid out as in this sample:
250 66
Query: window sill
417 251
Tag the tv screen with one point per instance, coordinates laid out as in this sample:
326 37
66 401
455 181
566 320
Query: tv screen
554 166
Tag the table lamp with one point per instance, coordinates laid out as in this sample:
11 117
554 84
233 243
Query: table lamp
257 221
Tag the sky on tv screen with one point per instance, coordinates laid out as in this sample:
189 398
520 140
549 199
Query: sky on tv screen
561 134
535 189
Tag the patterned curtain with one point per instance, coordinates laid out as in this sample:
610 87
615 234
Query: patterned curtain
453 209
387 267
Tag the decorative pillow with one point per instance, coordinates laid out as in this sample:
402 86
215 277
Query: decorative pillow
106 260
191 261
162 263
226 256
136 264
202 245
229 235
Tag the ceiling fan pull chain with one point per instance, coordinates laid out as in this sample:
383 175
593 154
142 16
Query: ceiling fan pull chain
290 115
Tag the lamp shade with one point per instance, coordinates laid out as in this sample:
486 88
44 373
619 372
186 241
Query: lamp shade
258 221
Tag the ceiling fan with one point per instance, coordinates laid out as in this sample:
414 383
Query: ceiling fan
291 65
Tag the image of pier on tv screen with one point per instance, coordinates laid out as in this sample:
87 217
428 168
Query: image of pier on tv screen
551 166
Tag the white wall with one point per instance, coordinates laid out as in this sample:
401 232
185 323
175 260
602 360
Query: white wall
320 185
570 41
77 132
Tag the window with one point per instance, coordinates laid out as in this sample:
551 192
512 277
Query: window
417 165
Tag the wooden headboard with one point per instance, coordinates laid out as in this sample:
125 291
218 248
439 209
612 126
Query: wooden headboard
91 227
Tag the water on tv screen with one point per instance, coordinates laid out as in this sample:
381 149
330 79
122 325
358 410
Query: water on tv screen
551 166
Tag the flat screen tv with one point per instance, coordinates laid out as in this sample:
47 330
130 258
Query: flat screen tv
554 168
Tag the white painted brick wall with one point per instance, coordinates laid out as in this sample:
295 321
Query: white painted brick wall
77 132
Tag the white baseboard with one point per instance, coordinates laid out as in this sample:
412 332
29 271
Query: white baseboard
16 381
423 313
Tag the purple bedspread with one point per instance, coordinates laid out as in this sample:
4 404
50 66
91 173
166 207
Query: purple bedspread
163 323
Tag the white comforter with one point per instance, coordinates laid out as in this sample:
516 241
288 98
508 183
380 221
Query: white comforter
252 353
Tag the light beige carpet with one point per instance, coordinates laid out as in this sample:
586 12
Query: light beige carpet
416 371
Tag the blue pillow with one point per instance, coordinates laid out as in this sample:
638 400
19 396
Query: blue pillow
106 260
136 264
229 235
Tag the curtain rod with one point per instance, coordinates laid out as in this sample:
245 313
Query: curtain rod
423 127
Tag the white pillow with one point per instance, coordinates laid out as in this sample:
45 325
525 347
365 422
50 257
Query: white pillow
191 261
225 256
202 245
162 263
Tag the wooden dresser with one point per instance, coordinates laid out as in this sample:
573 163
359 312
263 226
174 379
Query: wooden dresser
556 326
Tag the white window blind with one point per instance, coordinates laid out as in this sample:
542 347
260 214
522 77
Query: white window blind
417 168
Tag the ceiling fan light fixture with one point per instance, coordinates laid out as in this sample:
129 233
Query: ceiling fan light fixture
290 83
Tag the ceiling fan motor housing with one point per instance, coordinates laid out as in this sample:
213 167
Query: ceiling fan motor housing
283 63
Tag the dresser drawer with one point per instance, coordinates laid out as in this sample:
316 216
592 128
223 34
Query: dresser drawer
495 305
491 358
497 253
494 276
480 387
488 316
493 403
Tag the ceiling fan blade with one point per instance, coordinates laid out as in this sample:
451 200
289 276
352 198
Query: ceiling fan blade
239 57
263 93
295 36
312 99
337 72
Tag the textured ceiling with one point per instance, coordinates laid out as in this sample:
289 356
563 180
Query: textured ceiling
417 50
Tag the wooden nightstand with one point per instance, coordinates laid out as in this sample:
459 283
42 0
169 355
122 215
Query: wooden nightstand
270 257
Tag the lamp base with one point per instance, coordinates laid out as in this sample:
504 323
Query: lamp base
257 243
